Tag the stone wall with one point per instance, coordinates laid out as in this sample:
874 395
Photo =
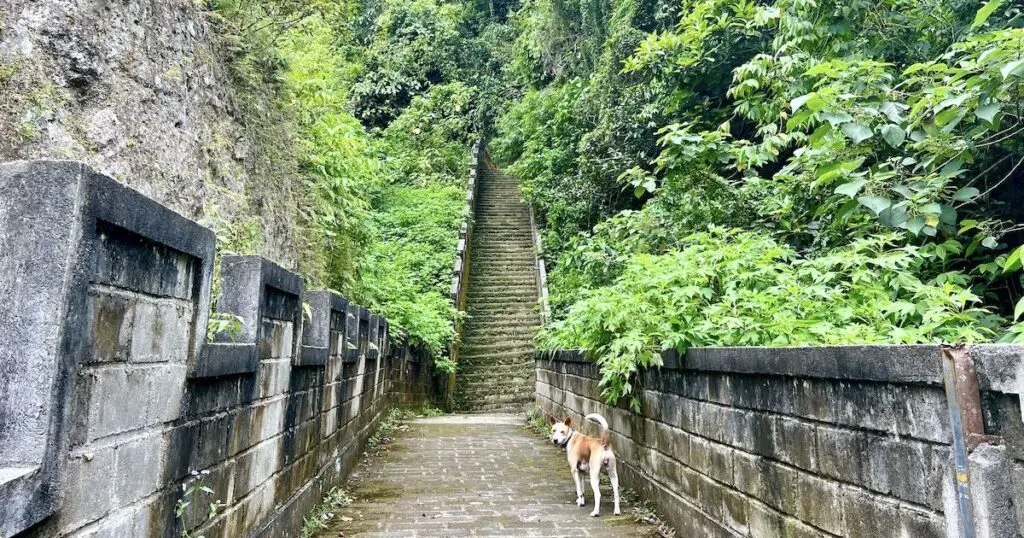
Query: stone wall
115 406
139 91
463 261
840 441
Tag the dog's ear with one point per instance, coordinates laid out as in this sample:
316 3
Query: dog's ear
552 420
568 421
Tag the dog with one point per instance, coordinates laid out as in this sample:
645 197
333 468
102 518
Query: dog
587 454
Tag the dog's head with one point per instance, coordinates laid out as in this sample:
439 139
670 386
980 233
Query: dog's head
560 431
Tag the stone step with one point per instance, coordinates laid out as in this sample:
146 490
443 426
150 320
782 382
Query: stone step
501 297
529 324
503 300
476 358
501 328
496 364
492 318
499 347
510 264
511 312
475 370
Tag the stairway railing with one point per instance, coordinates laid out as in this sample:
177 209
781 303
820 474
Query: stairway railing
463 255
542 273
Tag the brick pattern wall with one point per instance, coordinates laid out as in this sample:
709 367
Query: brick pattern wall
135 419
765 444
268 443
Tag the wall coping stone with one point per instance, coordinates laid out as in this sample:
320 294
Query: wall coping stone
245 280
1000 367
316 334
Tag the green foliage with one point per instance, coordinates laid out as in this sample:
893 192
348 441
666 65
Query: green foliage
380 122
191 491
413 45
427 145
847 138
337 157
223 323
320 517
733 288
407 268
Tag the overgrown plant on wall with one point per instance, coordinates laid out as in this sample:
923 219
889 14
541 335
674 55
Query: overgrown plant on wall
384 109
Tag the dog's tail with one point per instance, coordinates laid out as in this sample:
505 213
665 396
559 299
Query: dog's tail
604 426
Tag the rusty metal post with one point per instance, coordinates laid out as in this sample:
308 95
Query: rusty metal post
964 401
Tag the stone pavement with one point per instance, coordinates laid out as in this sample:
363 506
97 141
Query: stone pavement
474 475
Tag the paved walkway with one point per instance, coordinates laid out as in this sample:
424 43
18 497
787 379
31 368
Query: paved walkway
474 475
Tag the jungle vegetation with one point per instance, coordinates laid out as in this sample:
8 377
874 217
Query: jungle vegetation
705 172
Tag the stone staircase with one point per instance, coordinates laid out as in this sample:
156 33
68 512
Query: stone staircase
496 367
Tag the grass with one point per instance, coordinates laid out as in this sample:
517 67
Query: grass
537 423
320 518
643 512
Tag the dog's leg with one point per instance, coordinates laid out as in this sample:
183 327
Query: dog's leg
579 486
613 477
595 484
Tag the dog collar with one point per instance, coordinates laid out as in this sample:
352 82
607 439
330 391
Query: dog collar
567 439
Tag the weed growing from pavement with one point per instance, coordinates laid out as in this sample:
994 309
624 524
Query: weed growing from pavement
320 518
643 512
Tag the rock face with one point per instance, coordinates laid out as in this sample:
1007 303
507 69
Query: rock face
138 91
496 369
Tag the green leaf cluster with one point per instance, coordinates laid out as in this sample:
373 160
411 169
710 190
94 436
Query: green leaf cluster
737 288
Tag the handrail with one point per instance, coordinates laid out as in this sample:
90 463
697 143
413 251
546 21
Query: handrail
460 271
542 273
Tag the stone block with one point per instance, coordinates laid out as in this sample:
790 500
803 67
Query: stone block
275 376
923 524
868 514
710 422
922 413
767 481
836 448
161 332
794 528
762 520
166 390
89 492
700 455
721 463
992 492
734 511
720 389
906 469
795 443
711 496
118 401
819 502
110 325
121 523
268 419
897 364
138 468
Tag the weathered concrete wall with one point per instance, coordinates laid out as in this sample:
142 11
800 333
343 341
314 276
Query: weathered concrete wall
112 399
844 441
138 91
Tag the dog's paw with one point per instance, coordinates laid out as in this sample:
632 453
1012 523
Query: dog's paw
580 501
618 512
595 513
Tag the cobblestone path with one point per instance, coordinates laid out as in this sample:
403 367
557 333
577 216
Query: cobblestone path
474 475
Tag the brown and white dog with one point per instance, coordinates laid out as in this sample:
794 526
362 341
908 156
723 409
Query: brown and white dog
587 454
